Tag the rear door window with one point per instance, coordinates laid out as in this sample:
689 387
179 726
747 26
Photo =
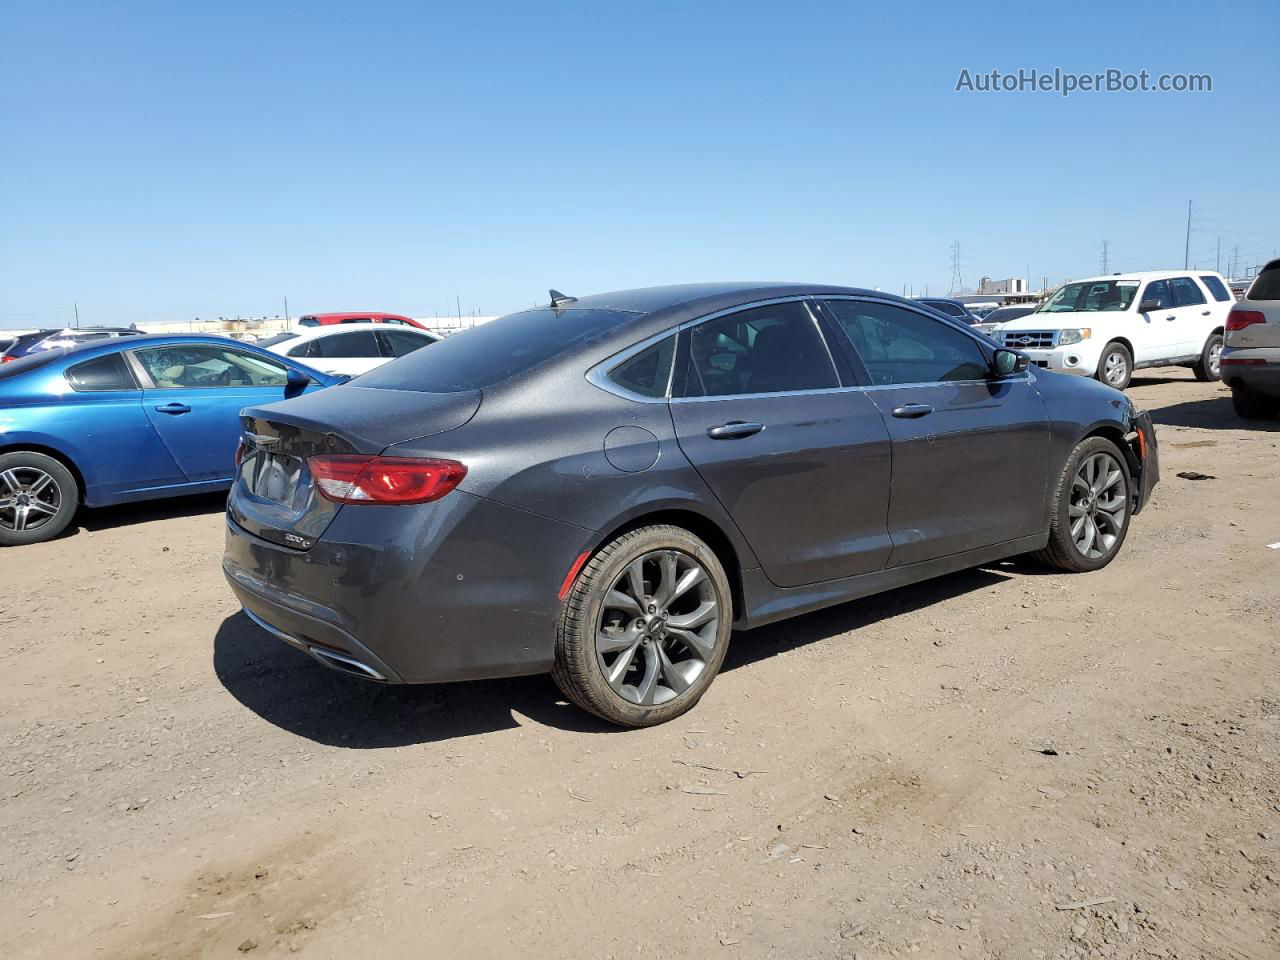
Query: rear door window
898 345
357 343
1217 288
400 343
101 373
1186 292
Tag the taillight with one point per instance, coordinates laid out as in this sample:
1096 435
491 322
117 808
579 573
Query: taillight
7 359
1239 319
351 478
241 449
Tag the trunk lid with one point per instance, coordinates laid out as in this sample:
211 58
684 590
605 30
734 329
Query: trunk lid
275 496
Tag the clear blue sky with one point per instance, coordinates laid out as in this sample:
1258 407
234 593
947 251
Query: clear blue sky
168 160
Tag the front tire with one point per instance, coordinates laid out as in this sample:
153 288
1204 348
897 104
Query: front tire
1090 510
1206 368
1253 406
38 498
645 627
1115 366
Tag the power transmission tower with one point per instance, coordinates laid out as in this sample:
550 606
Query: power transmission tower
1105 245
956 281
1235 259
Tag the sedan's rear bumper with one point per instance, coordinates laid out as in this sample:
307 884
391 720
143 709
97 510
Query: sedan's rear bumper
460 589
1145 452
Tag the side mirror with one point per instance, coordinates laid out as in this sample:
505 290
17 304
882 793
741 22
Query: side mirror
1146 306
1008 362
296 378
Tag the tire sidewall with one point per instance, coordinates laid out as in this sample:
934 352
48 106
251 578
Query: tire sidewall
1204 370
68 488
1123 351
592 589
1082 451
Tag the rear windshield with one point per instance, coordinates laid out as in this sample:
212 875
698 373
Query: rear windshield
494 351
31 361
1267 286
278 338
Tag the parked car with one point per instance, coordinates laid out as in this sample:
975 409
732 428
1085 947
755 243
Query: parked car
1251 356
952 308
324 319
992 320
1107 327
603 487
350 349
64 337
127 419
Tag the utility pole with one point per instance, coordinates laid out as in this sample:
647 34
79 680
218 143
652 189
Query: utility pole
956 280
1186 253
76 306
458 299
286 313
1218 262
1105 245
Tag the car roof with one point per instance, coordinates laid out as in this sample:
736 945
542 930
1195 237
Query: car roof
334 329
356 313
1148 275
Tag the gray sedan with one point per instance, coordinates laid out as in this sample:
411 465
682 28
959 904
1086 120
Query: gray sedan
605 488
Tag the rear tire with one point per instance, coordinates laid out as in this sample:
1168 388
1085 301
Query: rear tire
1115 366
38 498
1086 497
1253 406
1206 368
645 627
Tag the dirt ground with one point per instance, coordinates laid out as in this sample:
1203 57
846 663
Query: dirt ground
946 770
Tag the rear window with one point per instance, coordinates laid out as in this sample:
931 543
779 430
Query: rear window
1217 288
1267 284
496 351
101 373
32 361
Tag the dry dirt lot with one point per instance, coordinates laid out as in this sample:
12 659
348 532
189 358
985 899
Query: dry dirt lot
941 771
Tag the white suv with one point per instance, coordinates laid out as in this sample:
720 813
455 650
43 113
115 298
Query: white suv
1108 327
1251 359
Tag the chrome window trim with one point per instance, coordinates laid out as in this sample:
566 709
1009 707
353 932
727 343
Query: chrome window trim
598 374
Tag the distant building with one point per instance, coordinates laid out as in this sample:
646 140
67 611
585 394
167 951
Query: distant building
989 287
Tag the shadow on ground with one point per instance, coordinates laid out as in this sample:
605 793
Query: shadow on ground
288 689
1216 413
127 514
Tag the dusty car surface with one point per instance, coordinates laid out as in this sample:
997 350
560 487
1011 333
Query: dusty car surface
604 488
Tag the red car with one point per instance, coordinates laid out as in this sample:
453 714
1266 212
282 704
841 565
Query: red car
323 319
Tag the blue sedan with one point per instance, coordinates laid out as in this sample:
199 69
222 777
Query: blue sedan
129 419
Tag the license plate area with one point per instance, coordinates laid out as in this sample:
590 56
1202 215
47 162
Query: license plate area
275 477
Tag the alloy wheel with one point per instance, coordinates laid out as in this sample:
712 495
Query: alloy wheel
1099 505
1215 360
29 498
1115 368
657 628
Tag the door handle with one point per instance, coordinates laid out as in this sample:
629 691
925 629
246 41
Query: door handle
910 411
1205 313
734 429
174 408
1171 318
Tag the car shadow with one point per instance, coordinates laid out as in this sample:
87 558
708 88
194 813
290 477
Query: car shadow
1216 413
145 511
288 689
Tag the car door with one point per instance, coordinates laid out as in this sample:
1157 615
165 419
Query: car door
798 459
1194 319
193 394
350 352
1155 336
970 452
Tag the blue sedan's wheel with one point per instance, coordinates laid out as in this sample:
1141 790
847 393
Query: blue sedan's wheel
38 498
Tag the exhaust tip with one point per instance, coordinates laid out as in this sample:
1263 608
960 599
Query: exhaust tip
340 661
